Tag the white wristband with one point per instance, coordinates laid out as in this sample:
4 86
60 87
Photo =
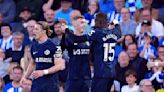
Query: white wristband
156 63
45 71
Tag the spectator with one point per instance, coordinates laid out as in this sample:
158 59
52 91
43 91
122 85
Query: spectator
7 10
131 78
146 15
6 41
51 4
147 4
116 15
147 51
2 84
16 52
80 5
34 5
49 15
65 11
127 40
28 39
58 31
25 14
145 27
9 77
93 9
155 75
128 26
121 67
4 64
160 55
133 5
136 62
106 6
26 85
146 86
14 86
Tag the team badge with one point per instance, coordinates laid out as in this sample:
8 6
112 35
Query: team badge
47 52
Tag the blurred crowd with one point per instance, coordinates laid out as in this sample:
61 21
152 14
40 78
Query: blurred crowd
139 54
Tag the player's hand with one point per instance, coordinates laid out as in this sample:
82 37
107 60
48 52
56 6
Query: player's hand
60 62
22 80
36 74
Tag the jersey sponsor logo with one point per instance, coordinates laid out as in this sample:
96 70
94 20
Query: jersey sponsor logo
47 52
109 36
81 51
42 59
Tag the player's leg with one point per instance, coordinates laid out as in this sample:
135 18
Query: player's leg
85 85
101 85
72 86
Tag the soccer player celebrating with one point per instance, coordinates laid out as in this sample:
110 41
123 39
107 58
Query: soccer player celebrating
46 58
78 68
104 41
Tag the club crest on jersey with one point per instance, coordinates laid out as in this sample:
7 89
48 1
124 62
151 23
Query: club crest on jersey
47 52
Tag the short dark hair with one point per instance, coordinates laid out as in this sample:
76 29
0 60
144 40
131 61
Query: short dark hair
101 20
142 9
5 24
131 72
18 67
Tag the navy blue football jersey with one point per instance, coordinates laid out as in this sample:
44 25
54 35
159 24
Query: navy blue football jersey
104 42
78 67
43 54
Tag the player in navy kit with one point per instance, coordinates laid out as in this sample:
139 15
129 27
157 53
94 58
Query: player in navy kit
47 61
79 74
104 41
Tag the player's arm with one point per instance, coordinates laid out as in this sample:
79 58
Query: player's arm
29 71
59 64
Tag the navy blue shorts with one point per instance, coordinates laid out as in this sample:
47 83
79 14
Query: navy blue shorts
45 84
77 86
101 84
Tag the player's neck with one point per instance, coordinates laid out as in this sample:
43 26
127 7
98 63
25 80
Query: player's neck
43 39
77 32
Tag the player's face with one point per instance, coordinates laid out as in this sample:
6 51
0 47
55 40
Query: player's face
37 32
81 25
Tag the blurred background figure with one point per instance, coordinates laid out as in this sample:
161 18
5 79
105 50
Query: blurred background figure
146 86
2 84
26 85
